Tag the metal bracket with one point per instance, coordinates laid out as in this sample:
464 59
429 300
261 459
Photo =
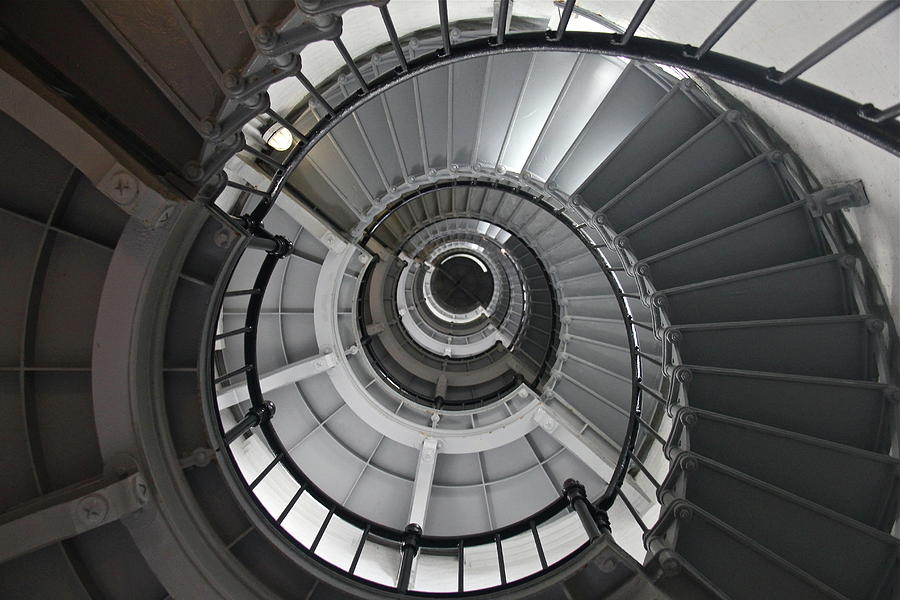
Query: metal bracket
59 516
849 194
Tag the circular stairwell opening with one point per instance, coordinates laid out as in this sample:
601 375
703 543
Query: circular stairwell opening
462 283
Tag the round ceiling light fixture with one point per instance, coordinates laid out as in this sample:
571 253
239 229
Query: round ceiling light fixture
279 138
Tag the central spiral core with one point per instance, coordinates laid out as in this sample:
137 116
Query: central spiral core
458 310
462 283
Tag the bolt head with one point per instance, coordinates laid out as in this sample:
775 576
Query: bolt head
203 456
674 336
669 564
92 509
123 188
208 128
165 215
232 81
141 489
265 37
683 513
193 171
607 565
875 325
684 375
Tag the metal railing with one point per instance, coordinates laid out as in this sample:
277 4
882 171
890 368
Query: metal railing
409 542
877 126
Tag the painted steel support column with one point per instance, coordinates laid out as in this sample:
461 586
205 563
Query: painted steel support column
424 478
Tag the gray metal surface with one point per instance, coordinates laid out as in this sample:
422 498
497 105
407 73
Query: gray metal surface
784 475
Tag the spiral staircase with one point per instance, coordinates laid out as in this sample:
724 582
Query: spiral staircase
513 314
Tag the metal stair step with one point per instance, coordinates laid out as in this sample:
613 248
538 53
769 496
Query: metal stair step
600 409
819 346
714 151
858 484
573 143
849 557
312 184
812 288
354 140
781 236
852 413
674 120
732 562
747 191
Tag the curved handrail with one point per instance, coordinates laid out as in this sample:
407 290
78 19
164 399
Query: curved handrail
261 413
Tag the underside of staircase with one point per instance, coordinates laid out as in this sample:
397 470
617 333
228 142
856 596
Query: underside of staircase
525 323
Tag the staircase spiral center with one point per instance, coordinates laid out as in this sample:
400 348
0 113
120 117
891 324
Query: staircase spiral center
462 283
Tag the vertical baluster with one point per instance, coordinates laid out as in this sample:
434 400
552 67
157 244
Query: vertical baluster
461 562
227 334
359 548
392 33
538 545
266 471
315 94
321 531
632 510
286 124
644 470
245 188
231 374
445 25
636 20
726 24
564 20
339 44
290 505
502 17
500 559
844 36
263 157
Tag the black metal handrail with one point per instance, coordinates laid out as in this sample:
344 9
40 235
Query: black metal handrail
261 413
877 126
260 416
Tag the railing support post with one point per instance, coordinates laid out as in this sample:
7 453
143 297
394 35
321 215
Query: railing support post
595 523
412 535
254 417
